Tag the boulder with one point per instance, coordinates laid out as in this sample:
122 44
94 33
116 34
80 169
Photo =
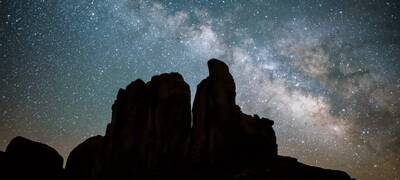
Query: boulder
82 160
27 159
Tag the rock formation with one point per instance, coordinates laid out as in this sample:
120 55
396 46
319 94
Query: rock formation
154 134
149 128
222 135
83 159
26 159
3 163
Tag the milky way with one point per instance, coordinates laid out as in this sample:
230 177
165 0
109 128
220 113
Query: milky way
327 72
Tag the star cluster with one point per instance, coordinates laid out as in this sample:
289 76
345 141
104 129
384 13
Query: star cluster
327 72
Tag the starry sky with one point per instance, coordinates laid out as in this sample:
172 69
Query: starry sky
327 72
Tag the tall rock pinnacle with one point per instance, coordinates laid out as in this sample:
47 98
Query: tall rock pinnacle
214 114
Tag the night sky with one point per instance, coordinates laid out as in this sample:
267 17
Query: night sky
327 72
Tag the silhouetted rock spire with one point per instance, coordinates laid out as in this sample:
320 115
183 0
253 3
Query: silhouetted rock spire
215 116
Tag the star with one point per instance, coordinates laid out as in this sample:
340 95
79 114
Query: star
326 73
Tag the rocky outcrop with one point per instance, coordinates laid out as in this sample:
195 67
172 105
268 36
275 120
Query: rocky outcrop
154 134
150 135
215 116
3 163
149 129
83 159
26 159
222 134
288 168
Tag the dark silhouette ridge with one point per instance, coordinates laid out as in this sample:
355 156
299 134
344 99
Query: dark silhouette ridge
154 134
